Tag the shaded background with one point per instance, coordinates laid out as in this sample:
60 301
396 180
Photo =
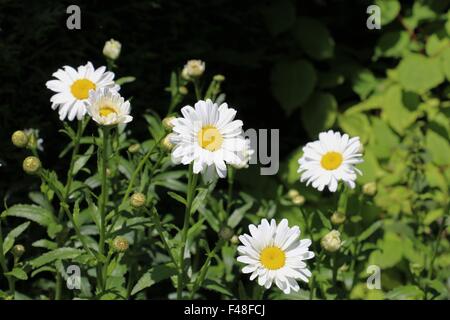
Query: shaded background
240 39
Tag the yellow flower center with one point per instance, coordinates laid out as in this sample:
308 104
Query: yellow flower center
209 138
331 160
272 258
80 88
107 110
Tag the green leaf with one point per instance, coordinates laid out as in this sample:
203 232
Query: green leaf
34 213
154 275
436 43
292 83
319 113
392 44
12 235
389 10
445 62
314 38
17 273
370 230
279 16
405 293
325 221
82 160
44 243
364 83
355 124
57 254
177 197
384 140
238 214
419 74
124 80
438 147
400 108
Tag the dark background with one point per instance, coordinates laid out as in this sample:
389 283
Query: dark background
157 37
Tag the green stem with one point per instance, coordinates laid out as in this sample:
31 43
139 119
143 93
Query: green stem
3 264
161 233
230 189
198 92
204 269
192 183
102 204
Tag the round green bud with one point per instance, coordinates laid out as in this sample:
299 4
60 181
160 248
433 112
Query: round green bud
19 139
120 244
338 218
137 200
134 148
18 250
167 123
234 239
219 78
369 189
226 233
31 165
166 143
183 90
331 242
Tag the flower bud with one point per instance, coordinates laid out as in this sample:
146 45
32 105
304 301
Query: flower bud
137 200
234 239
120 244
112 49
134 148
298 200
166 143
369 189
18 250
331 242
19 139
183 90
167 123
31 165
193 69
292 193
338 218
226 233
219 78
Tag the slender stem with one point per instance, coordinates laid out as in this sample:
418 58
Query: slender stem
192 182
102 203
60 240
4 266
230 189
204 269
137 170
198 92
160 230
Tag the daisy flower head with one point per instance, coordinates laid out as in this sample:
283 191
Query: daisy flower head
330 159
193 69
246 155
107 107
208 136
72 88
275 254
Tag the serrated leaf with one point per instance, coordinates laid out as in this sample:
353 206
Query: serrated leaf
34 213
12 235
57 254
17 273
153 276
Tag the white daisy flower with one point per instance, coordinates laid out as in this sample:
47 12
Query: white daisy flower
107 107
275 254
208 136
245 155
72 88
330 159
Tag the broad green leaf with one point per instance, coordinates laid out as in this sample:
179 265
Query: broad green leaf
419 74
57 254
389 10
279 16
445 62
292 83
438 147
154 275
405 293
12 235
392 44
436 43
391 251
319 113
34 213
314 38
364 83
384 140
355 124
